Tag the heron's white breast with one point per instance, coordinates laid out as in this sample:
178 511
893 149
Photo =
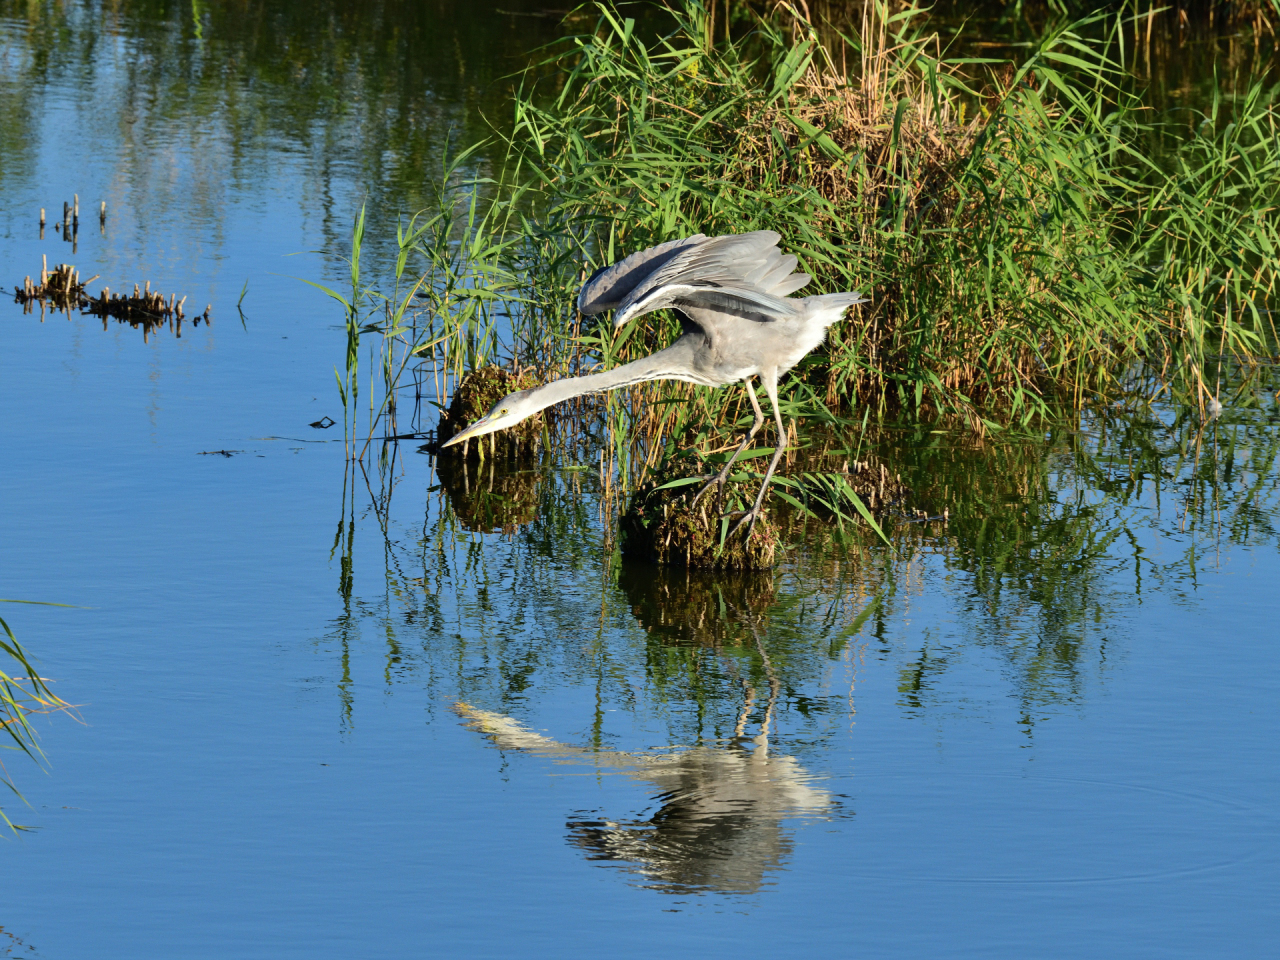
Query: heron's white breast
800 340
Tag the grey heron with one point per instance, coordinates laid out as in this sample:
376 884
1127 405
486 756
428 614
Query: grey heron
731 295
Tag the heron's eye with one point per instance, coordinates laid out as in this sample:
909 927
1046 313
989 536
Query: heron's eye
503 412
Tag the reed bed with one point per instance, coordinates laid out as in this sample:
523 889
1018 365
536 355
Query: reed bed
1021 247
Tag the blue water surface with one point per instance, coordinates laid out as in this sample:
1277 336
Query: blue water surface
323 714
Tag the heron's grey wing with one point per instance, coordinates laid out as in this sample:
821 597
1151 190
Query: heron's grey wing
776 275
610 285
739 301
746 262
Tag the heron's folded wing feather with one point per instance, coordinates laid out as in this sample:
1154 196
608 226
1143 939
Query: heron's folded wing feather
734 260
789 285
779 279
609 286
736 301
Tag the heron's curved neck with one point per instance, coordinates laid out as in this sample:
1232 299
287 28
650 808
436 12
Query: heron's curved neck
669 364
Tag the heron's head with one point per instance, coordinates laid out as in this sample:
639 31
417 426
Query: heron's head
507 412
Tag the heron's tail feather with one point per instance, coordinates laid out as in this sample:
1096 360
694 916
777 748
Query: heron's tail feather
830 307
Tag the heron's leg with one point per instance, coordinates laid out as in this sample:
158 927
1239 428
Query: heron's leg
749 518
723 475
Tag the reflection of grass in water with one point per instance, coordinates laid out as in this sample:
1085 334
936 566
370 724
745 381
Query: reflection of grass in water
334 91
1046 526
1043 541
685 607
490 496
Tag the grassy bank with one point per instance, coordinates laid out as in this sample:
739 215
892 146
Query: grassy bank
1020 246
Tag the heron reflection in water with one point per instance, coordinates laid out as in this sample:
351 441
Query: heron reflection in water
720 824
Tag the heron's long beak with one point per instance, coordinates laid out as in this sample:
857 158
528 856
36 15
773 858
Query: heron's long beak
478 429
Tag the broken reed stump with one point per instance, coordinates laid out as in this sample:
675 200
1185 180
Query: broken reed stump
63 289
663 527
473 398
142 307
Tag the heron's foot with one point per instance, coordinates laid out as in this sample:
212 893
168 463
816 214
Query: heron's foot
749 518
716 481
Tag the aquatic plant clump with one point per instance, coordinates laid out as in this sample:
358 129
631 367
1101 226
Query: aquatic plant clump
63 289
473 398
858 487
662 525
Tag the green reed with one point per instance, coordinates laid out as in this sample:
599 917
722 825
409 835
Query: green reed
21 696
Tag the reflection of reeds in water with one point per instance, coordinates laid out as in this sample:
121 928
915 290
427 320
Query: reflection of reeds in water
683 606
490 496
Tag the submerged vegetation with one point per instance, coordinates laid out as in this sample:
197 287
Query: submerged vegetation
1022 247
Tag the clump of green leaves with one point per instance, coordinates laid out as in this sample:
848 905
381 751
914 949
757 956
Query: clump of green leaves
662 525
